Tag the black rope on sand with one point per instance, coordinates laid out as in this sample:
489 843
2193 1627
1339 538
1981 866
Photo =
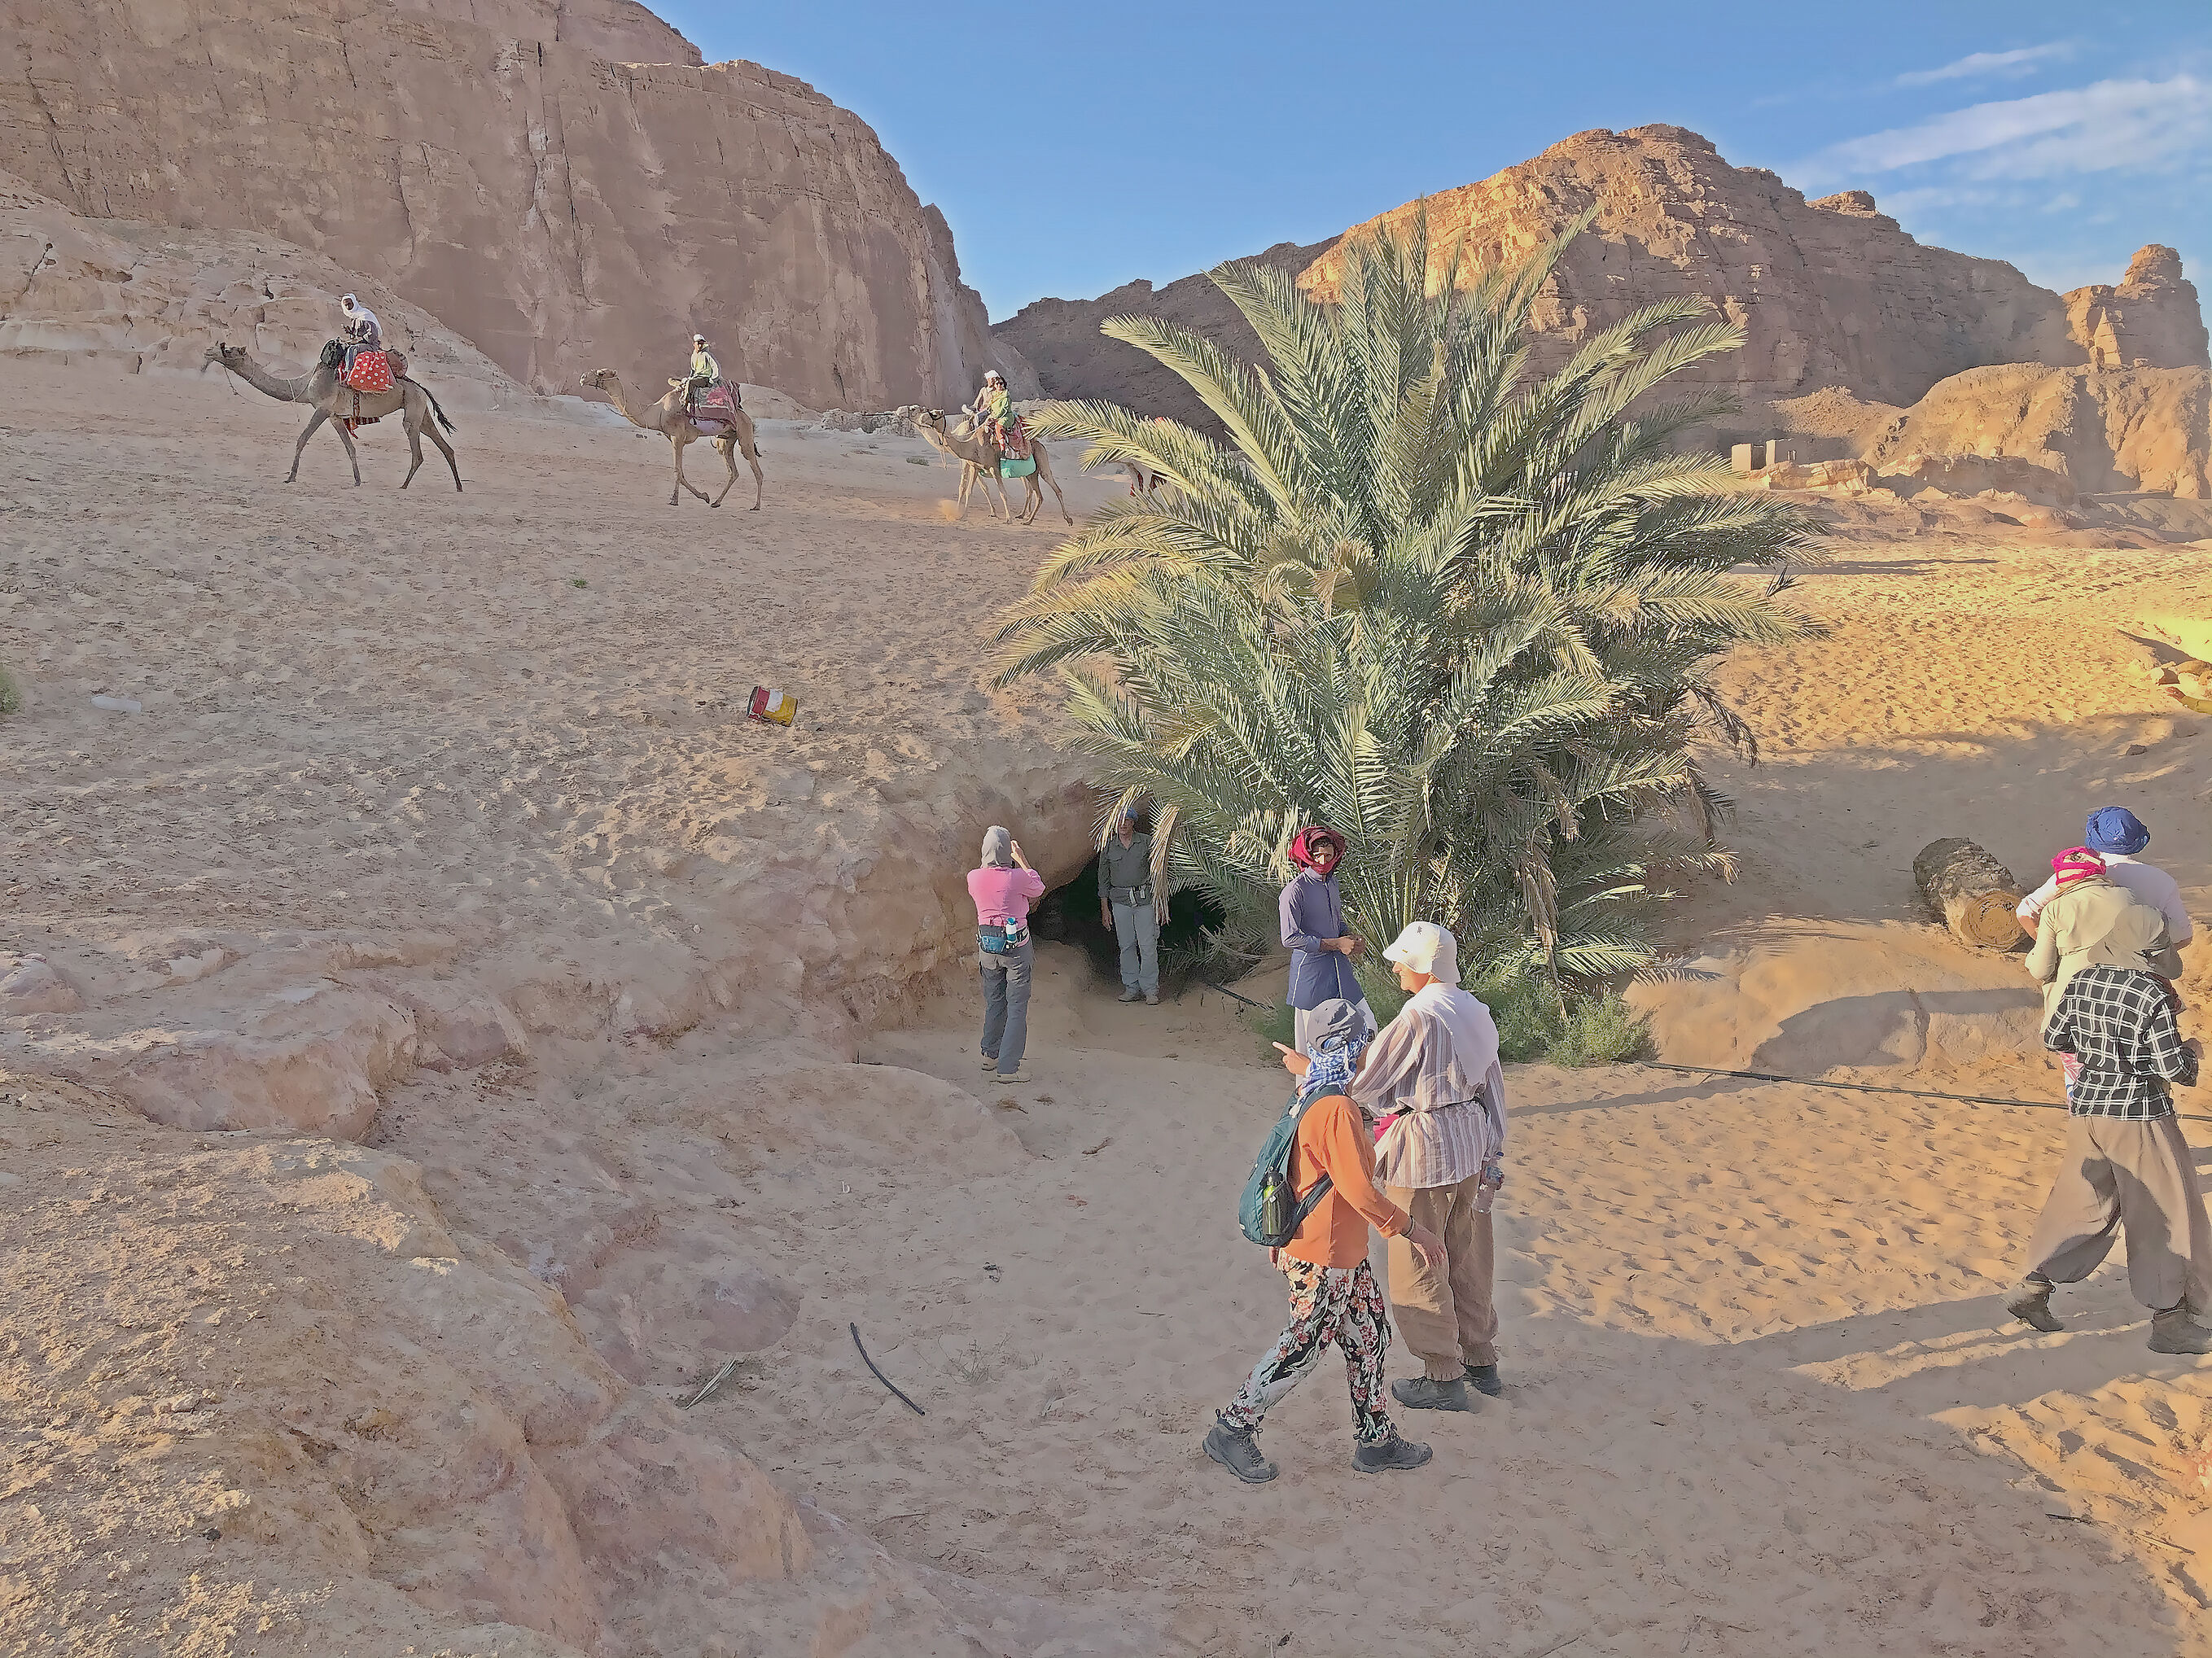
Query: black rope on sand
880 1377
1873 1088
1232 995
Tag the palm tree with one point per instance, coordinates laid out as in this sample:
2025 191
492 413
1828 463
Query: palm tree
1465 614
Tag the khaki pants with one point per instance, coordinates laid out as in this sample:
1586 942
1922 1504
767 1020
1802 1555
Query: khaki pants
2113 1175
1450 1319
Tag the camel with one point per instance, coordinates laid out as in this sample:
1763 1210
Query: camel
667 417
319 388
981 458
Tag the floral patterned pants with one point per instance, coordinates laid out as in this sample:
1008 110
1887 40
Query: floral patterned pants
1342 1304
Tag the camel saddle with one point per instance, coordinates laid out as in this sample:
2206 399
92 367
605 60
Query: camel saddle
713 408
371 372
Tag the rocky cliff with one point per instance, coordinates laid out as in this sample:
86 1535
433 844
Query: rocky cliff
1061 339
560 182
2151 321
1840 306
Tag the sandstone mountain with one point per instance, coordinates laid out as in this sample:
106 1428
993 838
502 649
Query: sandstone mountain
561 183
152 297
1848 319
2151 321
1060 339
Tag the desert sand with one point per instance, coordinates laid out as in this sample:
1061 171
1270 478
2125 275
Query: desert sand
461 1035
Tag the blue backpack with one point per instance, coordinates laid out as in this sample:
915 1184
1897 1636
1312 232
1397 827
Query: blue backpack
1272 1211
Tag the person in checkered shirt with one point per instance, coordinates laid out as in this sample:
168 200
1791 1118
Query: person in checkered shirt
2125 1165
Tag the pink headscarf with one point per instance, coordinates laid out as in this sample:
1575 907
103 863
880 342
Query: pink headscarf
1309 840
2076 863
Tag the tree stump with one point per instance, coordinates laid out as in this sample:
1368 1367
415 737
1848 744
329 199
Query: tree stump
1970 892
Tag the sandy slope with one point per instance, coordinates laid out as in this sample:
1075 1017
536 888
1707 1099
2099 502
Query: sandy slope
600 958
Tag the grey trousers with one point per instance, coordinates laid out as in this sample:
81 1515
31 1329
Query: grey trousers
2141 1177
1137 927
1006 1004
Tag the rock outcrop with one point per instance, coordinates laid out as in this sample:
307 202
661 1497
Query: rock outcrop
152 297
2151 321
2146 429
1061 339
1829 293
560 182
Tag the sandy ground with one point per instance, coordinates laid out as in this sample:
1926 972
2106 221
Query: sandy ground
668 1052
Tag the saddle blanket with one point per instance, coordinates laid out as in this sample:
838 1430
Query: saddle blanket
715 405
371 372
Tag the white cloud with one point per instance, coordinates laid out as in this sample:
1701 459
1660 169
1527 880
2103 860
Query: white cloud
2140 125
1976 65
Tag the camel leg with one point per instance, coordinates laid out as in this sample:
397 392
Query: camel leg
682 481
352 454
1056 495
414 428
1033 502
967 486
314 421
728 449
752 459
991 480
438 438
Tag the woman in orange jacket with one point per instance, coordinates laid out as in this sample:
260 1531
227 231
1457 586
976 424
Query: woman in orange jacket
1333 1296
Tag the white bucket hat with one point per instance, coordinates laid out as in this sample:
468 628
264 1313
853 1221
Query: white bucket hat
1425 947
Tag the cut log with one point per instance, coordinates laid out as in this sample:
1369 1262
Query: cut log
1970 892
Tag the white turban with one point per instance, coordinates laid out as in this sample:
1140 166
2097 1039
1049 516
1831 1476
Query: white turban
1425 947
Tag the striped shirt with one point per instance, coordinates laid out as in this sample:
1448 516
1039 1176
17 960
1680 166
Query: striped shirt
2119 1023
1436 1064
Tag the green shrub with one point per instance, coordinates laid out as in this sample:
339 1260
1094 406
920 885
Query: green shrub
1599 1027
1270 1025
11 699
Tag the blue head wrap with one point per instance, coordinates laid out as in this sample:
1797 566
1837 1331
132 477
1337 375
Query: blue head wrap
2115 828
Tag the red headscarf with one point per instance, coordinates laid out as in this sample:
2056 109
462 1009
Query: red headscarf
1308 841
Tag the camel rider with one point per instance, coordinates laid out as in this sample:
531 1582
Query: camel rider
706 373
361 331
994 408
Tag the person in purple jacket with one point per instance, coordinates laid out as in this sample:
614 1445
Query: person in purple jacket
1313 931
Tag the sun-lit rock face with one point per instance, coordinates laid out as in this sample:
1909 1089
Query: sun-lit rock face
1830 293
2151 321
564 185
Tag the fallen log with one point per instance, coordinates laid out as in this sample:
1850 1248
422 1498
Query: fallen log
1970 892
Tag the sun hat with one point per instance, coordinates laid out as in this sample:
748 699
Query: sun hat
2076 864
1425 947
2115 828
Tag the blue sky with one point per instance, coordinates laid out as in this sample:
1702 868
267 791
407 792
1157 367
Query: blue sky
1075 148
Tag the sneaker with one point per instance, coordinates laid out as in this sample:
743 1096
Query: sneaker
1486 1381
1239 1453
990 1062
1152 1002
2029 1301
1389 1457
2174 1330
1013 1076
1423 1393
1129 995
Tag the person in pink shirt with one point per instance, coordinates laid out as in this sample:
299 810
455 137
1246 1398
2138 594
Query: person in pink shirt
1003 888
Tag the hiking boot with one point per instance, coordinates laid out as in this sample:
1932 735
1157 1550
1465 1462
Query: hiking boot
2174 1330
1484 1380
990 1062
1013 1076
1389 1457
1130 995
1424 1392
1152 1002
2029 1301
1239 1453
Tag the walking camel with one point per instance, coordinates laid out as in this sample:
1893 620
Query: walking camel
320 389
981 458
667 417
